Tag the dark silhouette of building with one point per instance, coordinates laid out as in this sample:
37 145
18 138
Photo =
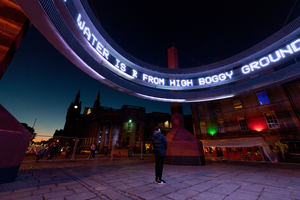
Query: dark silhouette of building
118 128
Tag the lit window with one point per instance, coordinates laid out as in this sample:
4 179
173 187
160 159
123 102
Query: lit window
262 97
221 126
243 123
89 111
271 120
167 124
217 107
194 129
237 103
203 128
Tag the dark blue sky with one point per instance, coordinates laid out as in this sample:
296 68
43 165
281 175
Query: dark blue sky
41 83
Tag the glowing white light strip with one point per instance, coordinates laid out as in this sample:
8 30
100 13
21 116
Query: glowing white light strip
211 99
183 100
161 99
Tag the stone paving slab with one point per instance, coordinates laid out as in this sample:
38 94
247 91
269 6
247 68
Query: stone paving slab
123 179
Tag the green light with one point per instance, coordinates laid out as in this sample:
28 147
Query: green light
212 130
130 121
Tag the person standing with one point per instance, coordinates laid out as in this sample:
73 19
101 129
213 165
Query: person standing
160 145
93 150
52 150
40 154
130 151
106 150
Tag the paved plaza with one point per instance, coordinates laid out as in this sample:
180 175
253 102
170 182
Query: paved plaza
134 179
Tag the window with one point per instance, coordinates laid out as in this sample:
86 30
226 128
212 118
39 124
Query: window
137 127
237 103
271 120
194 129
221 126
243 123
128 127
89 111
262 97
203 128
217 107
167 124
234 150
200 111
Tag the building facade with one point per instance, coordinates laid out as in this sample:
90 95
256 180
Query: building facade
271 113
117 128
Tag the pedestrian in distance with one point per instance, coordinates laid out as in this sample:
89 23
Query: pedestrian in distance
130 151
106 150
52 151
93 150
160 144
40 154
68 152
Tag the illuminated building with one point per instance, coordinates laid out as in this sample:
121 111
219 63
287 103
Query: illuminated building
272 113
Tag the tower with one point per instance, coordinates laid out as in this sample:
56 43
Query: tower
183 147
97 104
73 116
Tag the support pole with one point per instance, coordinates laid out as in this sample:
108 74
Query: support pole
112 152
142 151
262 154
224 159
74 150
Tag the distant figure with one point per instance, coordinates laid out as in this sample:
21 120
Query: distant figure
93 150
52 150
160 145
68 152
106 150
40 154
130 151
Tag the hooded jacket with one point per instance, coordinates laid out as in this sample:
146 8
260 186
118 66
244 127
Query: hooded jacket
159 143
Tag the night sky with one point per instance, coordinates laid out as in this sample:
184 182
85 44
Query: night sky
41 83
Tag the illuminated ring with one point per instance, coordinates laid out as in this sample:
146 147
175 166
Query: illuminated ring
72 28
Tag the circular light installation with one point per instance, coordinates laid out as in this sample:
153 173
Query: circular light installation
73 29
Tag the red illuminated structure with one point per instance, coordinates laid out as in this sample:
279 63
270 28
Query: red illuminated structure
183 147
14 139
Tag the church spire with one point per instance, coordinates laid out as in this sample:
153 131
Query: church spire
97 103
76 102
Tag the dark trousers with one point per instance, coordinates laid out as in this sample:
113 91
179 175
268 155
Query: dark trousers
159 163
93 153
39 157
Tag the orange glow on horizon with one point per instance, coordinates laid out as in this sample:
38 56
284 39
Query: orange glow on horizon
41 137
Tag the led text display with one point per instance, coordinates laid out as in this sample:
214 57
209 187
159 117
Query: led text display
129 71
